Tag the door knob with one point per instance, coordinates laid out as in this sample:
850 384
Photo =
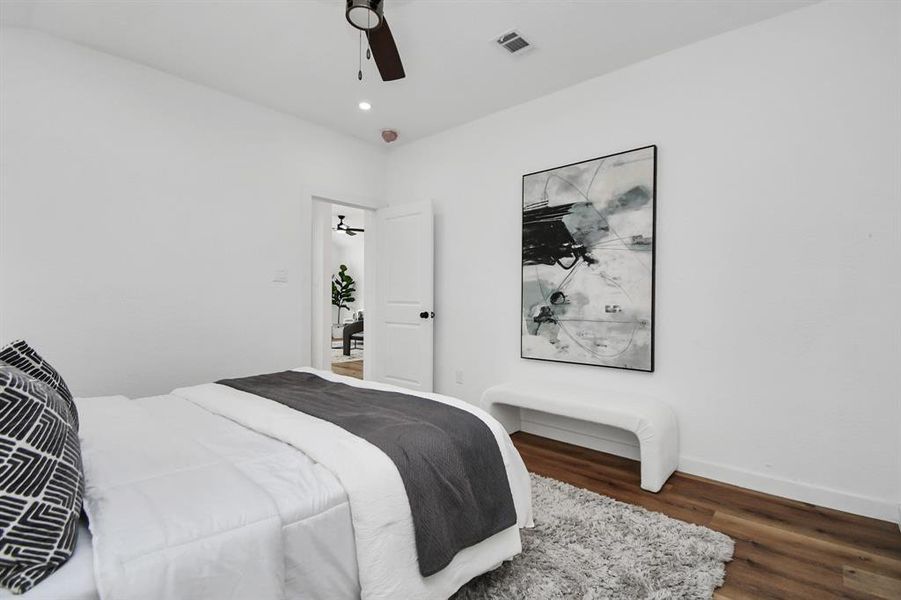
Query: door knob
424 315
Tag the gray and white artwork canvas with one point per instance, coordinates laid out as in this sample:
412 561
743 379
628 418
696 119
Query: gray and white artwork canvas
588 261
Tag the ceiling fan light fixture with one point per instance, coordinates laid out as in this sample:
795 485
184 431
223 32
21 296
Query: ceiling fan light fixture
342 226
365 15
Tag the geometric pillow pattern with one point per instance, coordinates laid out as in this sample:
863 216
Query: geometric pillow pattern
25 358
41 480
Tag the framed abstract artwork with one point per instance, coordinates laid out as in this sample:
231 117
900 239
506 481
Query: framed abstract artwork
588 258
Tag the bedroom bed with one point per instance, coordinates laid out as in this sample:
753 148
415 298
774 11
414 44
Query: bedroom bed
216 492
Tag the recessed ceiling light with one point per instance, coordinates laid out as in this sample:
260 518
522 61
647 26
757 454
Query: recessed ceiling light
365 105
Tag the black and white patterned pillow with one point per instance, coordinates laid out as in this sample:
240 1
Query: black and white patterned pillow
25 358
41 481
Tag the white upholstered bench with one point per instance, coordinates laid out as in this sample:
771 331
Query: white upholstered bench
651 420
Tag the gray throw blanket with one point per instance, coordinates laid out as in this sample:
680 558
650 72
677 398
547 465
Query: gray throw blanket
448 458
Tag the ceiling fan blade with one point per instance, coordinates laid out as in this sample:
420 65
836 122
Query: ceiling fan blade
384 51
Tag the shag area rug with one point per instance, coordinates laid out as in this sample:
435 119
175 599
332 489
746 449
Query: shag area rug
590 547
338 355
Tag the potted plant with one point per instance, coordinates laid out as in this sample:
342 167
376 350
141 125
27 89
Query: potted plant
343 289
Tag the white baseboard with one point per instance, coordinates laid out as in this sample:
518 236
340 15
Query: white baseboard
796 490
786 488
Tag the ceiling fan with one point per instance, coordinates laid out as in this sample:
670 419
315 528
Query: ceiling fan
348 230
369 18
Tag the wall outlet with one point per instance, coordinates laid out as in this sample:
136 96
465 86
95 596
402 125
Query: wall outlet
458 375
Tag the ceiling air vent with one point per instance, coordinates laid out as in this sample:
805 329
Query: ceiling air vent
513 42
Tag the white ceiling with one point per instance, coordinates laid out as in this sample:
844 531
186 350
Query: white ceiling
351 214
300 56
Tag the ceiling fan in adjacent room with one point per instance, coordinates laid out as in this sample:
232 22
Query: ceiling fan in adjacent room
341 226
369 18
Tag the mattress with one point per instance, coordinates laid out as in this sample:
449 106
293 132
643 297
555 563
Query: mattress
320 555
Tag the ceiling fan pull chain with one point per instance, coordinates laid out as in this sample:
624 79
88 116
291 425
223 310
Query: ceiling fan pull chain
360 56
369 23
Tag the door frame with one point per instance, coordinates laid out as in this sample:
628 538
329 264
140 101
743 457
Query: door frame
320 275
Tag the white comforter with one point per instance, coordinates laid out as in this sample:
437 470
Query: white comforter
180 522
174 520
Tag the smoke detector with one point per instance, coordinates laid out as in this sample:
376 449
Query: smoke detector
513 42
389 135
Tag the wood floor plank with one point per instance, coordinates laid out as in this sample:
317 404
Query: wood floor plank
872 583
351 368
791 576
843 528
805 546
618 472
672 505
784 550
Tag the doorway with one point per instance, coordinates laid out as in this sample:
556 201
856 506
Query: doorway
347 280
373 319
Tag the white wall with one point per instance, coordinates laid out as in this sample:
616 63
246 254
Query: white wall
778 257
143 218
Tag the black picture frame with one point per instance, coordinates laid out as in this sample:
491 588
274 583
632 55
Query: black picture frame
653 276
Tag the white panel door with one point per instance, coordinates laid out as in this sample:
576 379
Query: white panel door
404 295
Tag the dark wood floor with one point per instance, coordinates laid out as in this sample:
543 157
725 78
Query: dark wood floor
351 368
783 549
